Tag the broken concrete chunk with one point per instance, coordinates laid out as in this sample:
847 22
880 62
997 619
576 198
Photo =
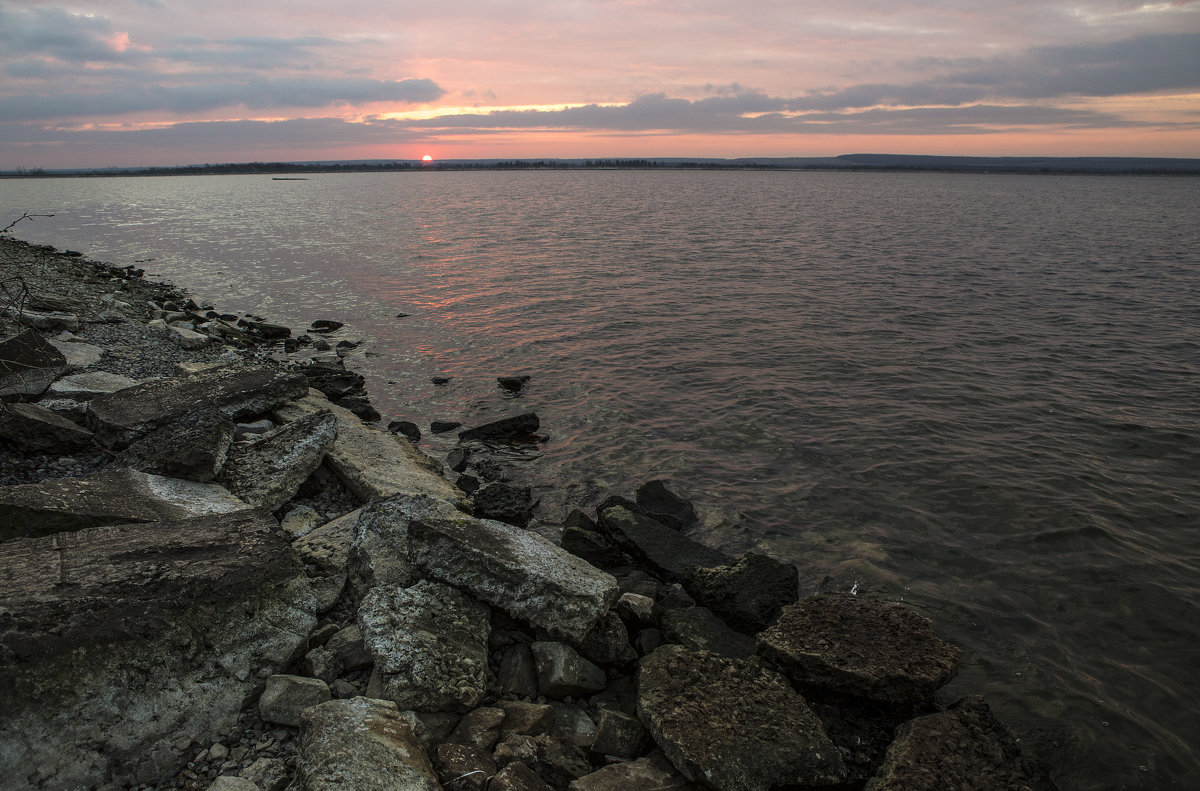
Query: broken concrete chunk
32 427
748 594
429 643
106 498
77 353
193 447
562 672
268 472
28 364
514 569
379 553
619 734
85 387
651 773
666 551
285 697
777 740
698 629
235 392
878 650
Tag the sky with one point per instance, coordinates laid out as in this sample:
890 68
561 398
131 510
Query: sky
99 83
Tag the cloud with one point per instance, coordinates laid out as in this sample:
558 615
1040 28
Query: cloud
261 94
58 33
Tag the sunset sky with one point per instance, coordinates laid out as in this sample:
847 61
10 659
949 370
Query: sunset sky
96 83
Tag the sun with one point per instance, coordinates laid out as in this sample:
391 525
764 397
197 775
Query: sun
427 158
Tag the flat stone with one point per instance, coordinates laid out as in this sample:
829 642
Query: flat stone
665 551
28 364
361 744
698 629
300 521
54 320
620 735
372 463
748 594
124 645
878 650
772 738
236 393
285 697
106 498
515 427
562 672
513 569
32 427
268 472
591 546
186 337
429 643
379 554
651 773
77 353
86 386
194 447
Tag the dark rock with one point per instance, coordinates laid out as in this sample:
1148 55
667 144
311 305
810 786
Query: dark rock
265 329
107 498
504 430
361 406
286 696
592 547
674 597
407 428
441 380
237 393
463 768
562 672
31 427
479 728
747 594
608 642
962 748
194 447
28 364
664 551
877 650
505 503
269 472
636 610
468 483
325 325
777 739
334 381
517 673
457 459
512 384
698 629
664 506
620 735
123 645
579 519
648 641
620 695
346 345
516 776
348 644
651 773
442 426
526 719
321 345
403 315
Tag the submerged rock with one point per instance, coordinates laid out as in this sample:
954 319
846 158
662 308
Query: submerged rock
663 505
506 429
748 594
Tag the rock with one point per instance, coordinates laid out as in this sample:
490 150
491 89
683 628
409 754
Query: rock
592 547
266 329
85 387
457 459
513 569
348 644
106 498
962 748
325 325
441 380
322 663
517 673
651 773
747 594
526 719
517 777
463 768
429 643
636 610
504 430
410 430
648 641
698 629
372 463
124 645
479 728
379 555
876 650
619 695
231 783
608 642
777 739
325 552
254 429
343 689
467 483
578 519
28 364
505 503
562 672
269 774
77 353
674 597
269 472
286 696
32 427
188 338
442 426
361 406
619 734
194 447
361 744
512 384
665 551
119 418
53 320
300 521
663 505
572 724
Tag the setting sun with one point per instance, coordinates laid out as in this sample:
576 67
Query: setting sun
427 158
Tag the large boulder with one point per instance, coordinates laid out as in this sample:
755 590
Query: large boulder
32 427
667 552
121 646
878 650
112 497
731 724
268 472
371 463
361 744
747 594
379 553
429 643
516 570
193 447
121 417
28 364
698 629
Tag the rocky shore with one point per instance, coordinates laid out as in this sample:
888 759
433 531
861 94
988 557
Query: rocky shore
219 573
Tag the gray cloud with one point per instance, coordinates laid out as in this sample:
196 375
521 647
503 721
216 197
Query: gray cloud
56 32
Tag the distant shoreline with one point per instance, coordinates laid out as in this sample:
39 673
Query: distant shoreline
1107 166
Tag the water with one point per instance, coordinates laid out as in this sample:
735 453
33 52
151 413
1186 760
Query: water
974 393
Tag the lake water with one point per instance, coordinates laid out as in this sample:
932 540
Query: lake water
978 394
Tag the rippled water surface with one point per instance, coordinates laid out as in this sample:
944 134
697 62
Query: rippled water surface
978 394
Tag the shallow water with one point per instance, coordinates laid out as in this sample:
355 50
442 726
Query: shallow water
975 393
